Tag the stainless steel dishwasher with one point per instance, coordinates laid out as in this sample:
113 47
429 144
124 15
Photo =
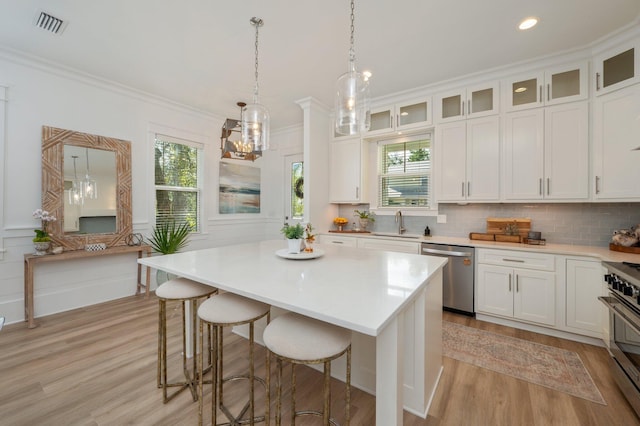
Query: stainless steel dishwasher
458 274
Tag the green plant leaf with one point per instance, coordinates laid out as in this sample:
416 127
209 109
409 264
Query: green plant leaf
168 237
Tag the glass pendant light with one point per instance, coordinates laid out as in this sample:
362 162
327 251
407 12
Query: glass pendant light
75 193
255 117
89 186
352 108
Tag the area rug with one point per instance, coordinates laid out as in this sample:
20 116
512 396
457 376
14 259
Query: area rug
542 365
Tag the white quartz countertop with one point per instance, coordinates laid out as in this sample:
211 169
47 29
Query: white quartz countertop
601 253
357 289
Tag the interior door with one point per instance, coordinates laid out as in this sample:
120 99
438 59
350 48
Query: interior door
293 189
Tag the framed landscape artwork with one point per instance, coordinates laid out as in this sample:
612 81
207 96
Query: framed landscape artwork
239 189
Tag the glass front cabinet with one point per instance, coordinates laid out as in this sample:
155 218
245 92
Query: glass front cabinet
547 87
401 116
469 102
617 68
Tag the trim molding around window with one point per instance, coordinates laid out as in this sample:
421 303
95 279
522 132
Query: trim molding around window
403 179
178 179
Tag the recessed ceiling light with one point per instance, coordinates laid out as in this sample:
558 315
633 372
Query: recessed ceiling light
528 23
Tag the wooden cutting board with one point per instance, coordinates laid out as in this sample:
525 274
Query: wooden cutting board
498 225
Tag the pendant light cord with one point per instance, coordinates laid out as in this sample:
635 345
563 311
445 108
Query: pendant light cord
352 51
257 23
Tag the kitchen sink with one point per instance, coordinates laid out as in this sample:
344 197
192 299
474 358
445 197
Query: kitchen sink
391 234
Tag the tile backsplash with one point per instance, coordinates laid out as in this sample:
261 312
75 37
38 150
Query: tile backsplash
578 224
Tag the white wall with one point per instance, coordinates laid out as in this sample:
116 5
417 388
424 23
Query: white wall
40 94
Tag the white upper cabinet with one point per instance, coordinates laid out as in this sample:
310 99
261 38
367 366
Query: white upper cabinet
467 155
616 136
345 171
547 87
617 68
400 117
546 153
468 102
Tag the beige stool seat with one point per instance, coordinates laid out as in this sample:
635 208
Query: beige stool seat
301 340
186 291
227 310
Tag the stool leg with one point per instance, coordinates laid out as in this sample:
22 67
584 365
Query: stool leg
219 356
348 407
200 372
267 366
214 376
194 346
251 377
293 394
326 411
164 353
279 392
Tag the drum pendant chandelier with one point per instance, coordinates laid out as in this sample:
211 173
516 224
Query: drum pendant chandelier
255 117
352 107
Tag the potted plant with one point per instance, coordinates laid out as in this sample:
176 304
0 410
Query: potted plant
364 217
293 234
42 240
167 238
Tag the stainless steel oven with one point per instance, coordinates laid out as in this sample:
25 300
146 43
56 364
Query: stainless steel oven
623 302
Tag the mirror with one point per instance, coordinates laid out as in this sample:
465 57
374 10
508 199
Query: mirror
103 219
96 213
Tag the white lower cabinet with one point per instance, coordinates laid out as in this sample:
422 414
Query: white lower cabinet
517 293
524 292
585 312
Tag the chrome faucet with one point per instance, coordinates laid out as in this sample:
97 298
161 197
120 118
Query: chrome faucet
400 222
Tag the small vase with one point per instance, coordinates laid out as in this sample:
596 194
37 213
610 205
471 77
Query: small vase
294 245
308 246
41 247
364 222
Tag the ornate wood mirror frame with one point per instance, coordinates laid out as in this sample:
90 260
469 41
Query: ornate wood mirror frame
53 142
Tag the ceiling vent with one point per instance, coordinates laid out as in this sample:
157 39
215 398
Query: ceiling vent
49 23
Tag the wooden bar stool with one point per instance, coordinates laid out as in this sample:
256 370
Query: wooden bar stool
228 310
185 291
302 340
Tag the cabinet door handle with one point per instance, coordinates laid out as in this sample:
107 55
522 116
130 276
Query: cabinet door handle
540 186
463 189
548 92
509 282
541 98
468 189
357 191
548 186
469 107
597 184
517 284
513 260
397 120
462 107
597 81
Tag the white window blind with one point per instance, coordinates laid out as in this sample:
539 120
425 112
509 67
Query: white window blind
177 171
404 172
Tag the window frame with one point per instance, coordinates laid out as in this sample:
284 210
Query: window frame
375 151
198 189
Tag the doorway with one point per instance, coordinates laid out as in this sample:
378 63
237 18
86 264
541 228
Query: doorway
293 189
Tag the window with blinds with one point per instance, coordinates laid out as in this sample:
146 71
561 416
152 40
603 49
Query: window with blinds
404 172
177 181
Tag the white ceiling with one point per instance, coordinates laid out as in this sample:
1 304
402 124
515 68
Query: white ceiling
201 52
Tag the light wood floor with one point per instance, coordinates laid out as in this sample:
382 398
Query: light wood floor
97 366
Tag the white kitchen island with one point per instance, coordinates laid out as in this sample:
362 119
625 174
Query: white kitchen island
392 302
